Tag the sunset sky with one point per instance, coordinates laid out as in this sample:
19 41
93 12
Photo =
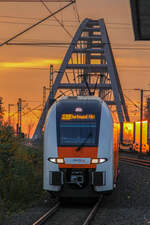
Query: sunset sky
24 70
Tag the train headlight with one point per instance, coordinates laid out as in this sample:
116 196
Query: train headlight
59 160
56 160
97 161
53 160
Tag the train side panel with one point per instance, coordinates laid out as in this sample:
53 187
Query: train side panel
116 135
105 149
50 149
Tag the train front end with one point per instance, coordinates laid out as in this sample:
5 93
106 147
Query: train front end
78 148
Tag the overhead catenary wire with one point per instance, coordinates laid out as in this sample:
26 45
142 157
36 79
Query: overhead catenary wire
48 25
76 12
132 101
131 48
46 68
58 21
31 111
51 25
34 25
75 7
31 18
64 44
39 0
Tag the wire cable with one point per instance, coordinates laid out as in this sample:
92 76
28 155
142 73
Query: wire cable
58 21
132 102
76 12
22 23
147 47
34 25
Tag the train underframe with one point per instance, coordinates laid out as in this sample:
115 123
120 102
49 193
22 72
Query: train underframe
78 182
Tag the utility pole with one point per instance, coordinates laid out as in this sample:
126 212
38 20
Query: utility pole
1 110
141 120
9 120
141 115
51 78
19 124
44 95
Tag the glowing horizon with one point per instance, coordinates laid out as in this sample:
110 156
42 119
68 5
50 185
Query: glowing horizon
28 64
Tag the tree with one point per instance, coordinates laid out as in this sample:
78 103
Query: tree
1 110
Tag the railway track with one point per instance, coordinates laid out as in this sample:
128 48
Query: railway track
47 216
92 212
135 161
43 219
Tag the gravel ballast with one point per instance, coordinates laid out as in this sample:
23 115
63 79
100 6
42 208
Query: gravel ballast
129 204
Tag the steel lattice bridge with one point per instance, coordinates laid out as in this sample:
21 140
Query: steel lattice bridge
88 68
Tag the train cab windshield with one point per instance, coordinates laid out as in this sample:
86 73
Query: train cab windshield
78 124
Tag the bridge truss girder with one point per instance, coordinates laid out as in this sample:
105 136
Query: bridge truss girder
88 68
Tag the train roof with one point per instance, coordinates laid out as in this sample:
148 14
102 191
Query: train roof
83 98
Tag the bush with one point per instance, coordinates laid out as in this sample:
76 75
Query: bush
20 170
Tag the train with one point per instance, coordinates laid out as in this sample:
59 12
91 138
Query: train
130 136
80 148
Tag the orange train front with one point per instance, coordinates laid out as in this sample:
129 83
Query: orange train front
80 148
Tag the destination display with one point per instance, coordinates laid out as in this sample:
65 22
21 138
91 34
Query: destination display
78 117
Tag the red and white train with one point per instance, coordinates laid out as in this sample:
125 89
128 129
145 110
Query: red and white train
80 148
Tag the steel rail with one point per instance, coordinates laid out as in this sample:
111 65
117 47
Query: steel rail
47 215
93 211
43 219
140 162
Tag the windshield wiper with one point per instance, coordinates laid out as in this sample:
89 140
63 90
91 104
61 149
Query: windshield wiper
84 142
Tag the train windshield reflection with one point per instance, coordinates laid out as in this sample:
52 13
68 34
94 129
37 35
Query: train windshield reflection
76 133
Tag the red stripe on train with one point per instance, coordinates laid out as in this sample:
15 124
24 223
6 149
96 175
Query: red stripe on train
84 152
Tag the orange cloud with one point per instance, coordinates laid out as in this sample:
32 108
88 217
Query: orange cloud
29 64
